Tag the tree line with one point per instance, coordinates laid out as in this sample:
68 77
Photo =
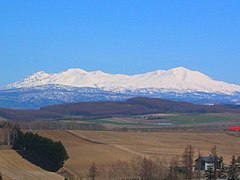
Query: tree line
41 148
180 168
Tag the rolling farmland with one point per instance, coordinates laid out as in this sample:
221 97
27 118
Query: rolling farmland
105 147
13 166
83 152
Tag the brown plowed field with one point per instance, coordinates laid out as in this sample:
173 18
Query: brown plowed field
105 147
168 144
13 166
83 152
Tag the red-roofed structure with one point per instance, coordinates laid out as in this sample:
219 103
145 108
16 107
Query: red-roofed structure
234 128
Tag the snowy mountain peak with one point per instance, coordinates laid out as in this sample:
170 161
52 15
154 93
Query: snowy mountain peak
75 70
179 69
39 74
178 79
182 73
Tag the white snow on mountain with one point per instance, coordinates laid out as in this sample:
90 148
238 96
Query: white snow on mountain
177 79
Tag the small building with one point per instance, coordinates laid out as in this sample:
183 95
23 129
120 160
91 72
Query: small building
234 128
164 124
207 162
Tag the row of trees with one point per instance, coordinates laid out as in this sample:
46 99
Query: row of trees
43 147
137 168
60 125
179 168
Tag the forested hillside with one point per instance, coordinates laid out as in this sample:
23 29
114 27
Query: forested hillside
41 151
133 106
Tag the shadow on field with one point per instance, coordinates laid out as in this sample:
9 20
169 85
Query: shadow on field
39 161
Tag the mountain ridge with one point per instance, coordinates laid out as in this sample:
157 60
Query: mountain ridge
179 79
77 85
40 96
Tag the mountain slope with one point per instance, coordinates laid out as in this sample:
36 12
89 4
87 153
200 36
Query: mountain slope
173 80
39 96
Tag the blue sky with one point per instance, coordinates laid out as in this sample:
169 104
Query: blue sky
126 36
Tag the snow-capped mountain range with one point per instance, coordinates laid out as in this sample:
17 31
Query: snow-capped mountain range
177 79
76 85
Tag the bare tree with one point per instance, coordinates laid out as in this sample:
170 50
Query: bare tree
139 168
135 164
161 168
147 169
174 169
93 171
198 174
120 169
187 160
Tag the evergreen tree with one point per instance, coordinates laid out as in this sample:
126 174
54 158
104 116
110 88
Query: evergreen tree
233 169
223 169
49 149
